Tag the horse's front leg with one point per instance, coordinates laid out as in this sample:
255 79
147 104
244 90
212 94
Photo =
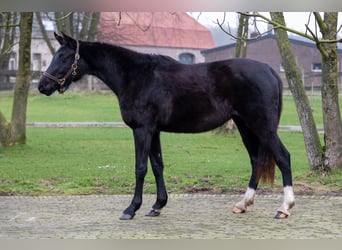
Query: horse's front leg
157 167
142 142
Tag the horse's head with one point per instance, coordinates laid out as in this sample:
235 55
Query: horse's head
64 67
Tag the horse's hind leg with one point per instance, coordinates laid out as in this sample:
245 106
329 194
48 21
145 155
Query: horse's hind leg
282 158
157 167
257 146
251 143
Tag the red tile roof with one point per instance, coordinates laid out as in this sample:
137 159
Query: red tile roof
161 29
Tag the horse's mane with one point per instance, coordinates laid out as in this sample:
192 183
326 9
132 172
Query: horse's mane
125 54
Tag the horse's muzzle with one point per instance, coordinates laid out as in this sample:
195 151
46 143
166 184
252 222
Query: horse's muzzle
46 88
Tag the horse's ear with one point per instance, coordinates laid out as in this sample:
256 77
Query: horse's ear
59 38
69 40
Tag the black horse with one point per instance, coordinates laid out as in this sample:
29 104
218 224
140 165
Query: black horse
157 93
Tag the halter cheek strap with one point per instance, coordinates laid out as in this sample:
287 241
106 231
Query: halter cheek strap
72 71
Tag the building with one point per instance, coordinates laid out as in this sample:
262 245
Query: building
174 34
265 49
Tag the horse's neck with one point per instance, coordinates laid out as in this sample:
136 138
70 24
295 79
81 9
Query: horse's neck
107 63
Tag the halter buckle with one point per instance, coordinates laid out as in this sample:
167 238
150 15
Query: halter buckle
74 68
61 81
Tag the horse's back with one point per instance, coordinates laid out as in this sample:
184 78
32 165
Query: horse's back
253 89
203 96
244 72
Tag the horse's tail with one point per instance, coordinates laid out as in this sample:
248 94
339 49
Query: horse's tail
265 170
280 92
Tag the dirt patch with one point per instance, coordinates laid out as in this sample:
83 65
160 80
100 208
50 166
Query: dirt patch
45 183
5 181
193 190
299 189
6 193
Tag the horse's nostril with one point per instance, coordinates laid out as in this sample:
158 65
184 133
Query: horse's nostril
41 89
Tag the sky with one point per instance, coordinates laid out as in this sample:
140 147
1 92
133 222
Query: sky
295 20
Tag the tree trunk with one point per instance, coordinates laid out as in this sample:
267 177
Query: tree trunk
7 33
241 43
15 132
70 22
69 25
95 19
62 20
3 130
85 26
58 21
294 79
44 33
330 105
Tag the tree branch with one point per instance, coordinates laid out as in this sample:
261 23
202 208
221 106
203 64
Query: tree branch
312 37
8 50
318 43
9 25
320 21
44 33
143 29
60 17
228 32
278 25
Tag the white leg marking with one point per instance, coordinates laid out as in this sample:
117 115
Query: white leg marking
289 200
247 200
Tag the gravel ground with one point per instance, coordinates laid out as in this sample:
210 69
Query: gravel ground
195 216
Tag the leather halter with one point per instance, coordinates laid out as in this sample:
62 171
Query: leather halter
72 71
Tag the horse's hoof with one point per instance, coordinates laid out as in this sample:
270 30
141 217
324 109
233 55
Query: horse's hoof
237 210
280 215
126 217
153 213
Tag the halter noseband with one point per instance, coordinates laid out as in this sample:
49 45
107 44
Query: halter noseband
72 71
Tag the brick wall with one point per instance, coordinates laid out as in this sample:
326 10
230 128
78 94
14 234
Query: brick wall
266 50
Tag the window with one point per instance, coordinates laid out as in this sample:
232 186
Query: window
13 61
281 68
316 67
187 58
36 62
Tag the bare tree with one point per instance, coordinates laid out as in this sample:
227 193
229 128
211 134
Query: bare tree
44 33
330 155
62 20
8 25
331 111
89 26
81 25
14 132
295 81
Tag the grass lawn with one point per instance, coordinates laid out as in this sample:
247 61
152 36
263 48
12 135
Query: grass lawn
71 106
101 160
103 107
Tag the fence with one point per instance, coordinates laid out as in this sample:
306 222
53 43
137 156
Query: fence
7 78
